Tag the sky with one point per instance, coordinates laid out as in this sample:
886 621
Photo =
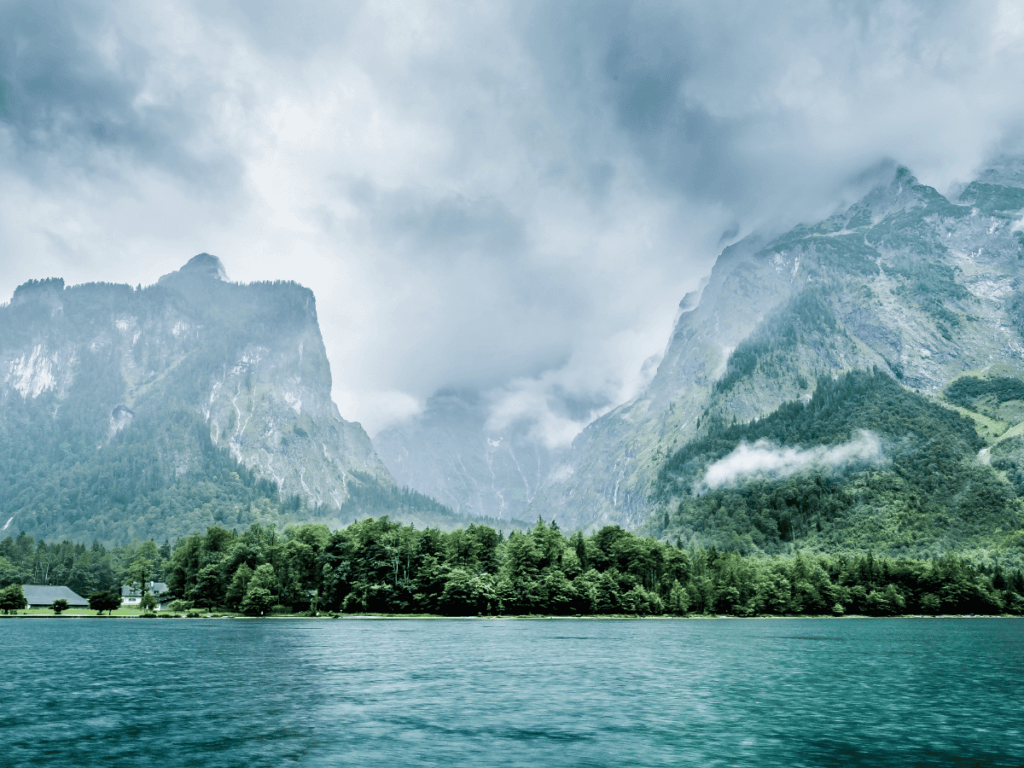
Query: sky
510 197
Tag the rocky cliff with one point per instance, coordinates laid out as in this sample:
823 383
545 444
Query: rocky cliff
109 395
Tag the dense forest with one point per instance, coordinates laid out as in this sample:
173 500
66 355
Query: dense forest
380 566
925 494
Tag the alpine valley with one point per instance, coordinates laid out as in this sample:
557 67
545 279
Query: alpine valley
855 383
130 413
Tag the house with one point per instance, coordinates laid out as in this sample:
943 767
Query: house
42 596
131 596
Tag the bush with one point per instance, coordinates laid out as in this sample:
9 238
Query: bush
280 610
180 605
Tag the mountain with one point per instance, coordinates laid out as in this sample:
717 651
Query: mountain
451 453
906 282
127 413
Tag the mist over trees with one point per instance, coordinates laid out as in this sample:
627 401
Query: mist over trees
925 494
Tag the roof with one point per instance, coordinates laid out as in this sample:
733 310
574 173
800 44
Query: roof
40 594
155 588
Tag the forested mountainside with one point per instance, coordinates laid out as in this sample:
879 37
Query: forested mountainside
918 287
128 413
865 464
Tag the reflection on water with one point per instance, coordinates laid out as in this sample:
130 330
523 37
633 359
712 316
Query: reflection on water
512 693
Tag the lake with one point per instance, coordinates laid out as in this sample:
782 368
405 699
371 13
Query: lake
797 692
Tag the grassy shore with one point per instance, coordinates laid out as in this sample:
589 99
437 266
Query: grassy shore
129 613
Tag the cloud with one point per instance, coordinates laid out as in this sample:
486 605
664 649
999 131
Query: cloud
765 459
509 196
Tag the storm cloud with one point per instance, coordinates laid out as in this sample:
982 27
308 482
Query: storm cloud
510 197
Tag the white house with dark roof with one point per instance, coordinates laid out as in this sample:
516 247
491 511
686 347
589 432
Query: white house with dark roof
131 596
42 596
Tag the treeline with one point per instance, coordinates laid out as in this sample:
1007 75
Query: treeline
968 389
86 570
380 566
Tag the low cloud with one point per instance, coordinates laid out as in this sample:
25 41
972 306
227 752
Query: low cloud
507 197
766 459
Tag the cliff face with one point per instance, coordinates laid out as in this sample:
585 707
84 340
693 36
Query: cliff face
192 367
919 286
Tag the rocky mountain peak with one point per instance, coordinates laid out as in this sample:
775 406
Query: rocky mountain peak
201 265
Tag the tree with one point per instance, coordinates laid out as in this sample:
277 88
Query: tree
208 588
104 601
257 601
678 599
239 585
260 594
466 594
148 603
59 605
12 599
140 573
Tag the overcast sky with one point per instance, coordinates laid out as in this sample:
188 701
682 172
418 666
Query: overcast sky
507 196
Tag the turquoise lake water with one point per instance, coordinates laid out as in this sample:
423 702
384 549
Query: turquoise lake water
206 692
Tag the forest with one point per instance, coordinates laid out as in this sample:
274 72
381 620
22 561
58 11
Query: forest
380 566
927 494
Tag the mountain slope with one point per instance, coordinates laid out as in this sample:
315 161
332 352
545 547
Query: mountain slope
127 413
905 280
865 464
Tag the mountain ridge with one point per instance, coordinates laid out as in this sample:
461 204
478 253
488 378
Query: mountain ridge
903 280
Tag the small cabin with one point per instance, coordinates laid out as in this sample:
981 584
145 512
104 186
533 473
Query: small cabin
42 596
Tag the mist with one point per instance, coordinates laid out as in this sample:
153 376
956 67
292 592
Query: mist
510 198
766 460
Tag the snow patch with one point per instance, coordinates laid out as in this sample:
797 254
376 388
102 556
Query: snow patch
294 401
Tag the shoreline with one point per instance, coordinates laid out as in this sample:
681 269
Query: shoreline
524 617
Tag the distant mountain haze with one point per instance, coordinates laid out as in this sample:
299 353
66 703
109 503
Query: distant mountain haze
906 283
452 453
